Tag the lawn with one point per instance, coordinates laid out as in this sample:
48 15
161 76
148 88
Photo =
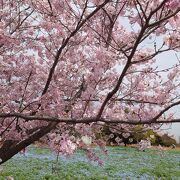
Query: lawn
120 163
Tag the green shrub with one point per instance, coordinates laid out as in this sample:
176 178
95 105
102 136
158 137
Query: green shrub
167 140
137 134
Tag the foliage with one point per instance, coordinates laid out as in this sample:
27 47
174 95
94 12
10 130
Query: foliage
139 133
69 67
134 136
113 137
167 140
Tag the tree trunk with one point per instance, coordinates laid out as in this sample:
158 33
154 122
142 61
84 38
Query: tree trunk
11 148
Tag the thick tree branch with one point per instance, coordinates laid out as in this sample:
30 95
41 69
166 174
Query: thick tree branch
88 120
6 152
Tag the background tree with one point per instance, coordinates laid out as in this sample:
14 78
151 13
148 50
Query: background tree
168 140
138 133
67 67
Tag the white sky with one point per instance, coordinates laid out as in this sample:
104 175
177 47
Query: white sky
167 60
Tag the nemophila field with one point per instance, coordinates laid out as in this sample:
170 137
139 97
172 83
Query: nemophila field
120 163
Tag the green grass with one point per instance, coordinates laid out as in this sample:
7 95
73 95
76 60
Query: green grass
120 163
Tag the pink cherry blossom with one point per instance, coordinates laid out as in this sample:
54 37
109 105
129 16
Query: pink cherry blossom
70 68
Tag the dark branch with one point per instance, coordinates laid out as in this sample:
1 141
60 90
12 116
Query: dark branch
83 120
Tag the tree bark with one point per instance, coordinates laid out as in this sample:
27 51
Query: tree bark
11 148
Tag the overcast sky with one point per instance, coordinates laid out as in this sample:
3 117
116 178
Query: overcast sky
174 129
167 60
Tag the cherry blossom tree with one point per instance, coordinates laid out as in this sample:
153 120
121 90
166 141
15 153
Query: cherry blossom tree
67 68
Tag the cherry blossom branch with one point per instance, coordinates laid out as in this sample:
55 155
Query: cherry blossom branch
164 19
49 2
137 101
157 9
128 63
65 42
155 54
87 120
121 100
165 110
125 69
83 12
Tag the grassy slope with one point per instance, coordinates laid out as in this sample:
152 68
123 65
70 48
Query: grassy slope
121 163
